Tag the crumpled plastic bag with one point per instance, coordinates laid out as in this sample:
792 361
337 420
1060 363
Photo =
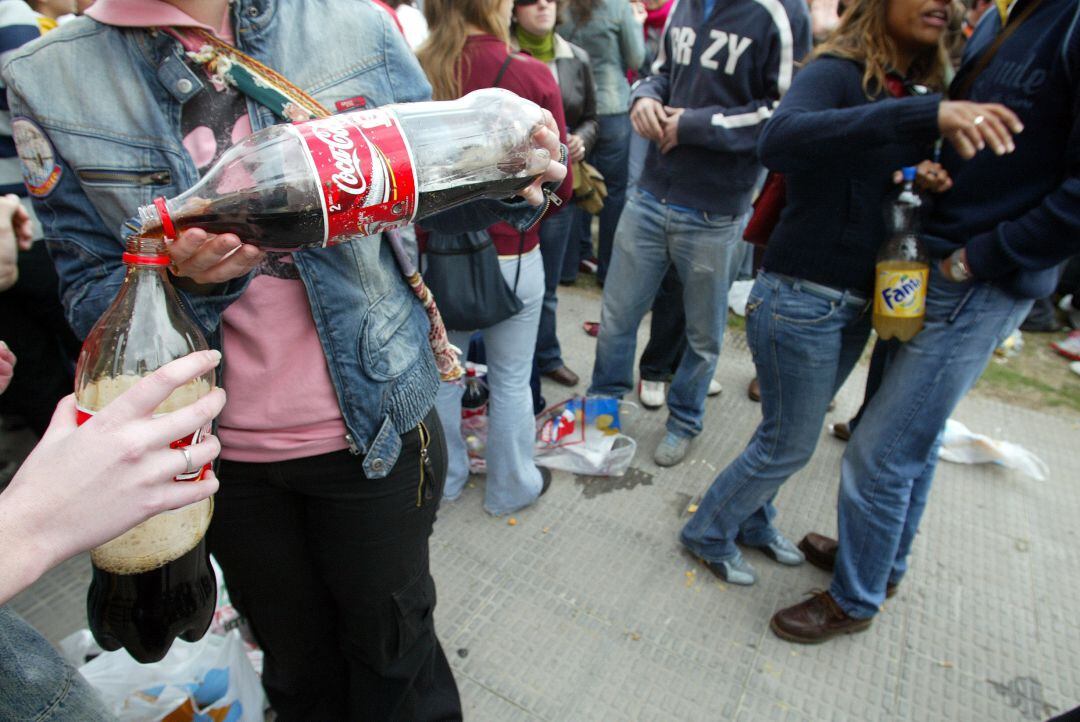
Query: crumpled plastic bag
583 436
961 445
738 295
211 679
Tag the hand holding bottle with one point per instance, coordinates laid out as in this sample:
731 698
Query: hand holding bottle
54 506
212 258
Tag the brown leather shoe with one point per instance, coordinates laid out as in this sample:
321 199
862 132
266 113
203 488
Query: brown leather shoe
563 376
820 550
754 390
816 620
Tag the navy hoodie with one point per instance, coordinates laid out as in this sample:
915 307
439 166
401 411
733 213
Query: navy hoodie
1018 215
729 71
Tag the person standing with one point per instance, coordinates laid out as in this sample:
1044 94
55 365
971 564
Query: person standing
996 240
858 112
608 31
333 458
534 32
469 49
31 317
723 68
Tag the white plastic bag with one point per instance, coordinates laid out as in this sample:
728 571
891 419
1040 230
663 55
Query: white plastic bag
211 679
961 445
583 436
738 295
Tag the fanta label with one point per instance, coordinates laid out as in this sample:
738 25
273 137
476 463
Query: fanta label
365 171
900 293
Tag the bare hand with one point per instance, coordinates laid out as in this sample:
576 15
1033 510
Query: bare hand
208 258
945 266
970 127
120 455
641 14
647 116
7 366
576 147
546 137
669 138
929 176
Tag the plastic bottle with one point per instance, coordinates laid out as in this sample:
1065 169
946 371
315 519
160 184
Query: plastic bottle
154 582
902 271
475 399
323 181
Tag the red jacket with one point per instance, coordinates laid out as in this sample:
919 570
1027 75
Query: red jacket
531 79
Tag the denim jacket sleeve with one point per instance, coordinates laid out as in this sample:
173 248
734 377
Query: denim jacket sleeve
87 254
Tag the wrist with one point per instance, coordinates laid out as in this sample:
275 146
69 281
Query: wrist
959 269
25 559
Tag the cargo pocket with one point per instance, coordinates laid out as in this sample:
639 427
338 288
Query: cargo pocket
415 604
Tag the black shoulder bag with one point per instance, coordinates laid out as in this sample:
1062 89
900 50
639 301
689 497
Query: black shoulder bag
463 274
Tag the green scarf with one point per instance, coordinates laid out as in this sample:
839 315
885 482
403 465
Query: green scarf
541 47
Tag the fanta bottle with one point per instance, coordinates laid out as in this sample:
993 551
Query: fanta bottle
902 268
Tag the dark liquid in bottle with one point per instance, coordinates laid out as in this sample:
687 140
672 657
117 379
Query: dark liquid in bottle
432 202
278 228
144 613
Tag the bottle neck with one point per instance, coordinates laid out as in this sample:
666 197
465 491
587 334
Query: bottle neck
145 253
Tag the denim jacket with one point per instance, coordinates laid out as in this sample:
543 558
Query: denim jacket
108 101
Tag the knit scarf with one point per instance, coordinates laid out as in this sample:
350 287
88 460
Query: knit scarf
541 47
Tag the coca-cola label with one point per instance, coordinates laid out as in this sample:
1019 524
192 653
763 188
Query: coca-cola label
365 171
82 415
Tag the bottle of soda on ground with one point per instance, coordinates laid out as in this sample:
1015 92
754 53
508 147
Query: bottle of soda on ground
320 182
475 398
153 583
903 270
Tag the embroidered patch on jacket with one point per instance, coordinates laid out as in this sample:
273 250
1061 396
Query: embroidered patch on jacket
40 170
351 103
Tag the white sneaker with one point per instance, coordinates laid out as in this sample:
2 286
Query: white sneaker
715 388
651 393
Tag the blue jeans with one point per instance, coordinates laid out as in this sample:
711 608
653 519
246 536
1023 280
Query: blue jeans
889 463
36 683
610 156
653 236
513 481
805 340
554 237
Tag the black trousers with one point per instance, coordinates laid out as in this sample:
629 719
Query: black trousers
330 569
667 331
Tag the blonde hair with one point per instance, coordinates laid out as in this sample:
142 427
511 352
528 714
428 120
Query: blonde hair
862 37
441 54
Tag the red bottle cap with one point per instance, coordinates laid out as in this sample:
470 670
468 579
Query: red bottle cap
167 227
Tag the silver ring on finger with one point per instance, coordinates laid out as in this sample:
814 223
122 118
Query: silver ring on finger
978 119
189 467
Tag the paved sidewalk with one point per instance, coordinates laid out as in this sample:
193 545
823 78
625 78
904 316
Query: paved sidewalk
587 609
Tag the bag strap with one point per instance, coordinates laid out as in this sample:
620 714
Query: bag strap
521 238
502 70
963 87
274 91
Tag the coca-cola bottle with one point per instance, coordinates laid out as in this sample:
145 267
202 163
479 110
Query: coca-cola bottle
475 397
319 182
154 582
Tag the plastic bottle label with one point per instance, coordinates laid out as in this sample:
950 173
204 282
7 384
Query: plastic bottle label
900 293
82 415
365 171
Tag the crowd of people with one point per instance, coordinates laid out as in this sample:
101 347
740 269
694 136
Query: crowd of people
682 106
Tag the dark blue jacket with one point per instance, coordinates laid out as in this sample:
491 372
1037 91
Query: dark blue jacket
1018 215
838 151
728 70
